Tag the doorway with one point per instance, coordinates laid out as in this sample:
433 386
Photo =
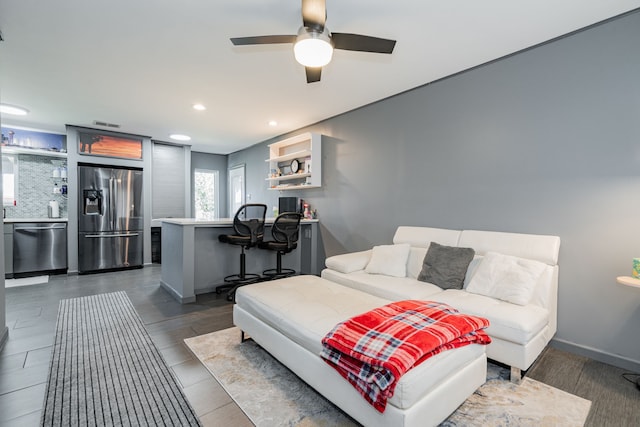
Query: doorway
236 189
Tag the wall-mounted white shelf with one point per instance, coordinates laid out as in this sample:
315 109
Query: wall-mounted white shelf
7 149
297 155
285 187
289 177
306 149
628 281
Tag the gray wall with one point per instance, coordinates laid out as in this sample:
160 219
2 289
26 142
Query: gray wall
546 141
4 332
213 162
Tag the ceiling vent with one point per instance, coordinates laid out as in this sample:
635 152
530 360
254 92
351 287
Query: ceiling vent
109 125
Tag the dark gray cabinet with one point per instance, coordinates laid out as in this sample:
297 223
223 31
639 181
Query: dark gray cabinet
8 250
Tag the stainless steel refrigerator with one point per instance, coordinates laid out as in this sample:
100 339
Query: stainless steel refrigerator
110 221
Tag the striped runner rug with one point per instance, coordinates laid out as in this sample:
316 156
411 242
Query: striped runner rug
105 370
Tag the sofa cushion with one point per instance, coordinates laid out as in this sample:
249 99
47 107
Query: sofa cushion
421 237
390 260
531 246
510 322
471 270
446 266
506 277
414 262
390 288
347 263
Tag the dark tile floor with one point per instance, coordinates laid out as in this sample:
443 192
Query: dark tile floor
31 318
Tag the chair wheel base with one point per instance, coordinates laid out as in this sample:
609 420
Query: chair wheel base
236 279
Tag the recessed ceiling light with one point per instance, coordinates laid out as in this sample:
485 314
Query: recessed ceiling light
199 107
13 109
179 137
273 123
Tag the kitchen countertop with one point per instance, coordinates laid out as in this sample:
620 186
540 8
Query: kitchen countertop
18 220
222 222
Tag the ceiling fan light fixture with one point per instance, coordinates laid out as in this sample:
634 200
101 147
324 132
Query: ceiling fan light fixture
313 48
13 109
180 137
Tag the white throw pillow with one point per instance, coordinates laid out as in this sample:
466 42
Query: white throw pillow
506 277
390 260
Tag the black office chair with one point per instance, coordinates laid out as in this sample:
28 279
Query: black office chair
248 225
285 231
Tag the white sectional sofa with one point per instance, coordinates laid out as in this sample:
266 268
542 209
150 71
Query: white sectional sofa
289 317
518 332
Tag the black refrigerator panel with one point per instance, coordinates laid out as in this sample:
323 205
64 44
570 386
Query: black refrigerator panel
110 199
101 251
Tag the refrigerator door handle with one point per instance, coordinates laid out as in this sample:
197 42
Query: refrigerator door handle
112 205
108 236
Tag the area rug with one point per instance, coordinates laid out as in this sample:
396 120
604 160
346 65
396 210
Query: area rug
270 394
105 370
26 281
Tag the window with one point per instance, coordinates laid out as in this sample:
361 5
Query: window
9 174
206 194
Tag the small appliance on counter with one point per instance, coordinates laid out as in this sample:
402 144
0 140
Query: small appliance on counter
287 204
53 209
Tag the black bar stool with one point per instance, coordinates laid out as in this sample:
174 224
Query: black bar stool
285 231
248 225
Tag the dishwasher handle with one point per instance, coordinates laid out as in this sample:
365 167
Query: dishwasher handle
46 227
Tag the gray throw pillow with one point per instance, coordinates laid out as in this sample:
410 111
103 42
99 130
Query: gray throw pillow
446 266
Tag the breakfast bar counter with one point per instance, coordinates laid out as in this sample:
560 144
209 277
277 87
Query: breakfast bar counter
194 261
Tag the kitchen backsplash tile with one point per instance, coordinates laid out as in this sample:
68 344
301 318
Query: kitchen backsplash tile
35 187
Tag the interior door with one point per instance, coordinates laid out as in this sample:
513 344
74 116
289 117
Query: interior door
236 189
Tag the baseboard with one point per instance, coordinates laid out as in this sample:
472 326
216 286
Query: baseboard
176 295
595 354
4 337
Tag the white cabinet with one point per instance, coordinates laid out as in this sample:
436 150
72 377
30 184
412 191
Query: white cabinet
295 163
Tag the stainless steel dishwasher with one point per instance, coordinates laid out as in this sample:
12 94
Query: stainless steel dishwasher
39 247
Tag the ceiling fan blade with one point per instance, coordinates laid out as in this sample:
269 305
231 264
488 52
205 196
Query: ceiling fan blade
314 13
313 74
242 41
346 41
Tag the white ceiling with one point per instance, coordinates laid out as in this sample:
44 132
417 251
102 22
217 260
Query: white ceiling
144 63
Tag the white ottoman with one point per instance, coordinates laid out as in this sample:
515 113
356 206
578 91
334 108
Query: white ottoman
289 317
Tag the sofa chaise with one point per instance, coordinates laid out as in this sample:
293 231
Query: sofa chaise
289 317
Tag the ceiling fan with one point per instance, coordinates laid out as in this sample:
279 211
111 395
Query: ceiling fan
313 45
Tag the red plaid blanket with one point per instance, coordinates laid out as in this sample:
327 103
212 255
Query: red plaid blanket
373 350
